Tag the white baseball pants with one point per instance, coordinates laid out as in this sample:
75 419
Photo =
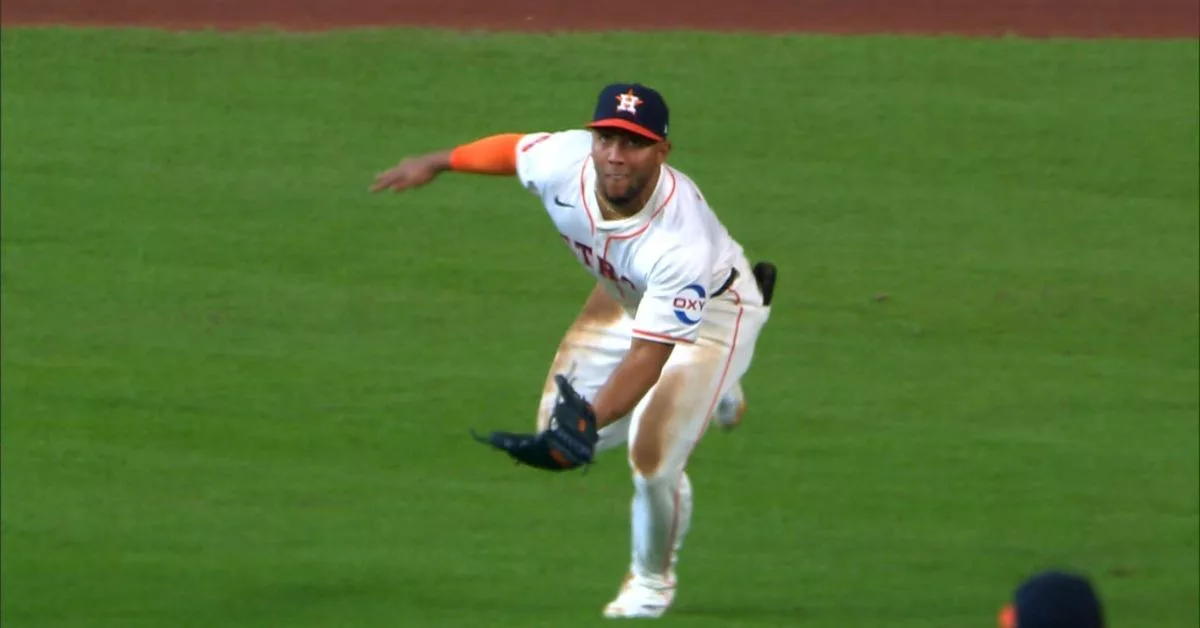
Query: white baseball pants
665 426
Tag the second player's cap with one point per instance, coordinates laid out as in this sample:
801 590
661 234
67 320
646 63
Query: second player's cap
1054 599
632 107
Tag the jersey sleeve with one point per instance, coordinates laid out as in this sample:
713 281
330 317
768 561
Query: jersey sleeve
673 305
543 159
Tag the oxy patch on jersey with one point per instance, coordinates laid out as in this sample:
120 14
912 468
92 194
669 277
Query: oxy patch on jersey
688 304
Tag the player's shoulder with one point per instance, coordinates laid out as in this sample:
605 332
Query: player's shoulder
683 218
546 157
548 144
687 192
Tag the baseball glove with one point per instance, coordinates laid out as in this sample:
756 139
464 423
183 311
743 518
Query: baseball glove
569 442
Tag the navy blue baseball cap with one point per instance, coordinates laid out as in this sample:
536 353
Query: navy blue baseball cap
1054 599
632 107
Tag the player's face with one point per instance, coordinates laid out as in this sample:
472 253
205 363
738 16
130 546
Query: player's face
626 163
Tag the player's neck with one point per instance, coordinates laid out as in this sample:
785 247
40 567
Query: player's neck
613 211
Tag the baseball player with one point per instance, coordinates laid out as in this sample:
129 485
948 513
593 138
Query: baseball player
666 335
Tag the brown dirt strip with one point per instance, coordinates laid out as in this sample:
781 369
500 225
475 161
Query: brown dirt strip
1031 18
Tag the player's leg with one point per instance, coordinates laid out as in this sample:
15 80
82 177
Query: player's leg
665 427
593 346
730 409
732 406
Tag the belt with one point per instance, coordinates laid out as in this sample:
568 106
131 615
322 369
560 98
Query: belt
733 275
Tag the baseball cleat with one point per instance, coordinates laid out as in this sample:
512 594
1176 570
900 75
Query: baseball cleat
730 409
641 598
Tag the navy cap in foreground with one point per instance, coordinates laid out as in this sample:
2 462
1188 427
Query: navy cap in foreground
1054 599
632 107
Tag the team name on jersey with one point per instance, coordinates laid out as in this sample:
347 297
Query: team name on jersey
588 257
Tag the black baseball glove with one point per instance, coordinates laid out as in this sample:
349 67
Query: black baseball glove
569 442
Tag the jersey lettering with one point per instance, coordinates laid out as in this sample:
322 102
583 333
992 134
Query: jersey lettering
607 271
586 252
599 264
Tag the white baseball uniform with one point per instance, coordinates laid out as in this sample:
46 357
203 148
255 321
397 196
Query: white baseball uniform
669 267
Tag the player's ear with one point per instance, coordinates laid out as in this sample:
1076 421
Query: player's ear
664 149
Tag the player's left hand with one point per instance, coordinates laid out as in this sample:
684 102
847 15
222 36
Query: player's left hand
412 172
570 441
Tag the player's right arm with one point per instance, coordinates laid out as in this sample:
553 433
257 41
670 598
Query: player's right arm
529 156
494 155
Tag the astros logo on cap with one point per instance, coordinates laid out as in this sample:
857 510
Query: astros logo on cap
628 102
632 107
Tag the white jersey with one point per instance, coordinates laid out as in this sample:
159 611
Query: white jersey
662 264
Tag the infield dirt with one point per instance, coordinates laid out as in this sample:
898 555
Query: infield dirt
1033 18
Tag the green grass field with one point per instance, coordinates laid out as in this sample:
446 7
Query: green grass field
237 388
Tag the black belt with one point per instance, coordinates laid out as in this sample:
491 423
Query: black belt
733 275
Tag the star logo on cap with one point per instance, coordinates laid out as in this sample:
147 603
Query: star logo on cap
628 102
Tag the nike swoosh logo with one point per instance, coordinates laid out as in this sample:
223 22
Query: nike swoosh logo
560 203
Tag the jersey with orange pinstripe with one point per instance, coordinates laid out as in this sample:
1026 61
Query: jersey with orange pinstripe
662 264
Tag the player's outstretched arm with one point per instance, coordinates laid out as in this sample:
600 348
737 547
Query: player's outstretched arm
633 378
494 155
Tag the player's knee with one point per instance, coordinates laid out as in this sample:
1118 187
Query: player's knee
645 456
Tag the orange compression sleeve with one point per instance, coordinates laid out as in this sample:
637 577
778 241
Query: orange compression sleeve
496 154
